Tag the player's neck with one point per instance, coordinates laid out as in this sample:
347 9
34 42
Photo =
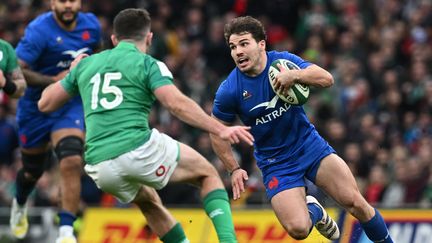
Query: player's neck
69 27
142 47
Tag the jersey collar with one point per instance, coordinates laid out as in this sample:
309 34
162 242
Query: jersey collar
126 45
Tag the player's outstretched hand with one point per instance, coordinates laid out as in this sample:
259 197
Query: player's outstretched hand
60 75
235 134
238 179
77 60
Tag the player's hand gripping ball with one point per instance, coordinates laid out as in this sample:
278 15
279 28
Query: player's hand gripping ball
298 94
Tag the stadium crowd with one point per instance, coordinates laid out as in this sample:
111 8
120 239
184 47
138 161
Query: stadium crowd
378 114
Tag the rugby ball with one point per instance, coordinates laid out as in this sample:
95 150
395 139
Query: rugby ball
298 94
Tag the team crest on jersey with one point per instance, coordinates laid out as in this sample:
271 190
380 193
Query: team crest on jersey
59 40
85 35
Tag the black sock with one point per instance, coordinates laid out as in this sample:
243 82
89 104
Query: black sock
24 187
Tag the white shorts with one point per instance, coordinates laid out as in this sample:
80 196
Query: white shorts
151 164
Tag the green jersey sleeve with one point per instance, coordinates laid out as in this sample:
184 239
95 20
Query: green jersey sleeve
69 82
8 58
159 75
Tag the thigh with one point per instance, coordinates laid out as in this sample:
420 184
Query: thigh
336 179
34 130
108 176
59 134
192 166
290 207
71 117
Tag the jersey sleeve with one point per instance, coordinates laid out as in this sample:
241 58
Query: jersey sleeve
30 46
69 82
159 75
224 103
297 60
12 62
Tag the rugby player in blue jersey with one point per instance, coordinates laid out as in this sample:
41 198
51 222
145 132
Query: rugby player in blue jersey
287 146
50 43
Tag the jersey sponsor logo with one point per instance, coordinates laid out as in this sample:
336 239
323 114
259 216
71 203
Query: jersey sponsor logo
273 183
1 55
268 104
160 171
73 54
272 115
76 53
216 212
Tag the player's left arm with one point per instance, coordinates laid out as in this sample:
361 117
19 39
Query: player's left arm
13 83
53 97
313 75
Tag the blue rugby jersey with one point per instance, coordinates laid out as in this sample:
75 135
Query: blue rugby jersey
49 49
282 132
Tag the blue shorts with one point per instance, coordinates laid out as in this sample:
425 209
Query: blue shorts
35 127
290 173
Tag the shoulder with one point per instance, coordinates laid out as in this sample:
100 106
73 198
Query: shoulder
273 55
89 19
5 45
40 23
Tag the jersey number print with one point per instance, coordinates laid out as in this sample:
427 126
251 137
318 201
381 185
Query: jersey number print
107 88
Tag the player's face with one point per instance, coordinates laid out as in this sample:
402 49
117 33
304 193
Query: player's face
66 11
248 55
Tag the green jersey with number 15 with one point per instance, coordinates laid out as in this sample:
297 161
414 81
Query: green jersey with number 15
116 87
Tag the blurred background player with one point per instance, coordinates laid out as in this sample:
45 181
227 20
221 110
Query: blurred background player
50 43
288 148
123 155
11 77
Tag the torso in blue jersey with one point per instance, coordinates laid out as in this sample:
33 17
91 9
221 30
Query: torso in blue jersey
281 131
49 49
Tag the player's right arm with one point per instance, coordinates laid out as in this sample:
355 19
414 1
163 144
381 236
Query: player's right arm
190 112
37 79
30 48
224 152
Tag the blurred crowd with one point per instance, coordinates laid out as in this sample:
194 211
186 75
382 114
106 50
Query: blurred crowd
378 114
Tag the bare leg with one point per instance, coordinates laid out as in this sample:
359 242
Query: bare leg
158 217
70 171
291 211
335 178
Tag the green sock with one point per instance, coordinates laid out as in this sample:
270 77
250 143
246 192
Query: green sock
217 207
175 235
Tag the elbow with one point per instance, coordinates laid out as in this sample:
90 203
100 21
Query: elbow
327 80
43 106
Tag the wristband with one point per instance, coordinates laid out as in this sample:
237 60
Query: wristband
10 87
237 168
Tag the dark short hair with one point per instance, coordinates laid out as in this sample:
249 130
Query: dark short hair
244 25
132 23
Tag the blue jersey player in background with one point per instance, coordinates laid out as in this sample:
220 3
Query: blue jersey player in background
287 146
50 43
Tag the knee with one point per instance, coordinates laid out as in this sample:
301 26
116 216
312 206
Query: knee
298 230
71 163
33 166
69 152
69 146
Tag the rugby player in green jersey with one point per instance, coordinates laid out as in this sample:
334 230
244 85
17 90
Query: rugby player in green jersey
123 155
11 77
